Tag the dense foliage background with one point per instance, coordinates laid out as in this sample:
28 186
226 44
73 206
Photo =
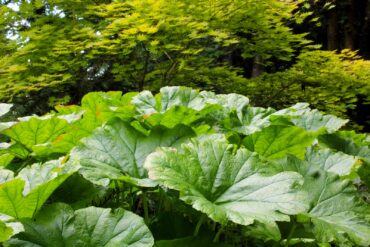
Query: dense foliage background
276 52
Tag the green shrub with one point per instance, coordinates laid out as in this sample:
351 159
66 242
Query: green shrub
330 82
75 48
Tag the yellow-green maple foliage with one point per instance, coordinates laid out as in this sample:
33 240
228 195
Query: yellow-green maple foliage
59 46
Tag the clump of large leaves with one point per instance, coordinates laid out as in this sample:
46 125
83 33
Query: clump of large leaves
56 134
288 165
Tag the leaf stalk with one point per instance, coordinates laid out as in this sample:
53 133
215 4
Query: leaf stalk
199 224
145 206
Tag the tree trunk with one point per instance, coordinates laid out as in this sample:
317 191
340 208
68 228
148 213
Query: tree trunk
349 28
258 66
365 33
332 31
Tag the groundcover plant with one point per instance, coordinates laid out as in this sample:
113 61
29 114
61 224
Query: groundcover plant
182 168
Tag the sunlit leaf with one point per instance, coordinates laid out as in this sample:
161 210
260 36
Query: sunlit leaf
224 184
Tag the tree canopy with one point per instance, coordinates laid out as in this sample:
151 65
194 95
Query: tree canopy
54 51
86 45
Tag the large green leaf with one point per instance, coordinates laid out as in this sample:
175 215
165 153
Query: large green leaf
277 141
5 154
100 107
24 195
37 130
147 104
50 227
8 151
8 227
348 142
100 227
229 102
180 96
96 109
118 150
220 107
6 125
311 120
223 183
182 105
6 175
5 159
251 120
331 161
5 108
43 135
18 150
336 210
58 225
173 105
64 142
179 115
